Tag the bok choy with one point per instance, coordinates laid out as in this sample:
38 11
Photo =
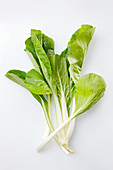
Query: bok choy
60 76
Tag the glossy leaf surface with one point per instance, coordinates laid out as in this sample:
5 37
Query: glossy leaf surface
17 76
36 84
77 52
88 90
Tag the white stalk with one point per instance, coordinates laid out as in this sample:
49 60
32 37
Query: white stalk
58 116
49 122
57 111
70 130
65 116
47 131
64 107
72 123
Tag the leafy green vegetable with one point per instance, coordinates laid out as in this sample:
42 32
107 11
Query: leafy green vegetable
78 33
43 59
17 76
59 76
48 44
36 84
32 54
77 52
89 89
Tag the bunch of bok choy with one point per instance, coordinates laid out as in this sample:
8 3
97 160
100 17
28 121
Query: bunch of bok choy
60 76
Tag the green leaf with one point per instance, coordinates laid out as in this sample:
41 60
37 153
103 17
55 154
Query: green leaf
32 54
77 51
88 90
44 61
74 37
83 28
50 53
38 34
31 50
48 45
17 76
36 84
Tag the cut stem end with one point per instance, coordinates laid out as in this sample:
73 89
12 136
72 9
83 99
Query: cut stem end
67 148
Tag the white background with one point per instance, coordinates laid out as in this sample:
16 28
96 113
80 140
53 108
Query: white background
22 120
